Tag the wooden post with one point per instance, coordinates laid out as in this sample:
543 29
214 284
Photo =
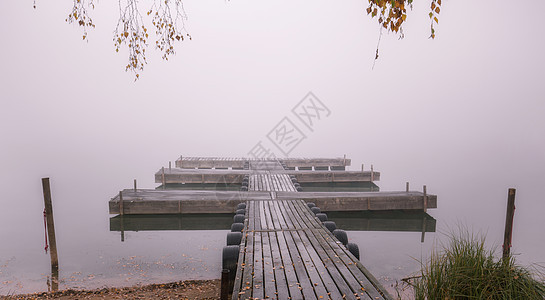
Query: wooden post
224 290
407 186
54 278
122 227
425 200
121 210
362 167
135 190
344 160
372 174
163 177
50 224
423 229
509 223
170 167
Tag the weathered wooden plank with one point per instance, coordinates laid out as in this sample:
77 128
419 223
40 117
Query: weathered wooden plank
347 285
303 281
332 280
268 271
268 217
279 274
258 291
340 255
288 267
310 265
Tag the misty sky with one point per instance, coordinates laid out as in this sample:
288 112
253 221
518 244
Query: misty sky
463 113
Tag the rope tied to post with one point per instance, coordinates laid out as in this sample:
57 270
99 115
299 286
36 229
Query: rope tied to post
45 229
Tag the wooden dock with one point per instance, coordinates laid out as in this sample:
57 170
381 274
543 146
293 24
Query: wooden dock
286 253
284 247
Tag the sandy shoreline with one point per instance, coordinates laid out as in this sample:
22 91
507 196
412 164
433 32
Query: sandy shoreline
189 289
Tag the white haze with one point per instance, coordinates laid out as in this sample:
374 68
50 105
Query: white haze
462 114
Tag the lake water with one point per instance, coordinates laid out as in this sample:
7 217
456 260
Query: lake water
93 256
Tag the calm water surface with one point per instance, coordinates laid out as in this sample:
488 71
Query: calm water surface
93 256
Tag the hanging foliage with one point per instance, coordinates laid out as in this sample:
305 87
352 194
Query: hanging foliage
391 14
168 18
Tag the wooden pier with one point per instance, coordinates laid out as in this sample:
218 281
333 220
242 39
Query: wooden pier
286 253
286 249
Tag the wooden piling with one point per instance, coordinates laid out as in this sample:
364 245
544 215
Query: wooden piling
425 199
424 220
50 224
407 186
372 174
54 278
224 290
509 223
362 167
135 190
122 227
121 210
344 160
170 167
163 177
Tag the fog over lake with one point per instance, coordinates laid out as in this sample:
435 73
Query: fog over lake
462 114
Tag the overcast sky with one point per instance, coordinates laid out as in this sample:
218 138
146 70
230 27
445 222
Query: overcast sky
467 107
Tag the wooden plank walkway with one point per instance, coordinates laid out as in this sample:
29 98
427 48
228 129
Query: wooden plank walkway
286 253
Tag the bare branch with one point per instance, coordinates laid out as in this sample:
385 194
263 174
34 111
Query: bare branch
80 15
168 28
131 31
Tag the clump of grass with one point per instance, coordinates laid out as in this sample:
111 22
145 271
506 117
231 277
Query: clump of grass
465 269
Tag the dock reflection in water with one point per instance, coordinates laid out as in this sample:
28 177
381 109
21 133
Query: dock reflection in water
404 221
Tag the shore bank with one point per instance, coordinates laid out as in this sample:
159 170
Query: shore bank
189 289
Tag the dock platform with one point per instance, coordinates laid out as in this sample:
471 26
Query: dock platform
217 202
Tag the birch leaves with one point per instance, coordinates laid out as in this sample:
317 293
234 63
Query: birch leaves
392 13
131 32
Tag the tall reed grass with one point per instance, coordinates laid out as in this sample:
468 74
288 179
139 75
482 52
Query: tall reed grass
465 269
